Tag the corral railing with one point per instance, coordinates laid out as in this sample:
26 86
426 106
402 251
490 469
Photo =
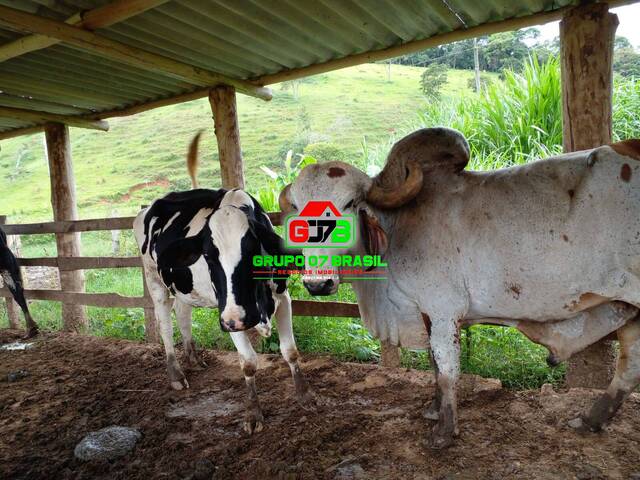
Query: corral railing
115 300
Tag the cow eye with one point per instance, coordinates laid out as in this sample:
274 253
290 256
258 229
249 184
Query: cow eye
348 205
294 206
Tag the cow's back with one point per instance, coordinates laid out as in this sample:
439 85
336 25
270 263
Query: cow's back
165 231
540 234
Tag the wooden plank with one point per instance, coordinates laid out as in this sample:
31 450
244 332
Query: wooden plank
95 224
89 225
310 308
104 300
100 17
44 117
125 53
82 263
302 308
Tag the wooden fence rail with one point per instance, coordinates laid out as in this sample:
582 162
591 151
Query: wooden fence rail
114 300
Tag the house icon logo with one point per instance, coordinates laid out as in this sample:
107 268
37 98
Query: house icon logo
321 225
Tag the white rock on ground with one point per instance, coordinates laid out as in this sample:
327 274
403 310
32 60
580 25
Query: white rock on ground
107 443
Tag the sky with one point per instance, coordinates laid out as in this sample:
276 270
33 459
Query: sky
629 17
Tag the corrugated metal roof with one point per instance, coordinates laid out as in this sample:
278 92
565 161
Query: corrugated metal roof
242 39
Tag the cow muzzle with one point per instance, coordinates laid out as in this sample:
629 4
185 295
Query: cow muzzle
232 319
321 286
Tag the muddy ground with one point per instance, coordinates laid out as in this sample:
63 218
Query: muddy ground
368 423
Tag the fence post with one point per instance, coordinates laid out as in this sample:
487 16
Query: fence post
12 307
151 334
63 202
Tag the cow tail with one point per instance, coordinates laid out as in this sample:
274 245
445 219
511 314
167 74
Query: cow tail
192 159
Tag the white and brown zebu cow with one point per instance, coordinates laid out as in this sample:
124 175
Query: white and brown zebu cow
552 248
197 246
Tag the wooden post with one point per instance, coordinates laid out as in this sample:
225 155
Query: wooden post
151 333
225 120
63 201
586 50
13 308
225 116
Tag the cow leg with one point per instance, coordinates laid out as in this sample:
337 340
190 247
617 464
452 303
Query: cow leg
183 317
253 419
445 345
162 304
290 351
625 380
13 280
433 410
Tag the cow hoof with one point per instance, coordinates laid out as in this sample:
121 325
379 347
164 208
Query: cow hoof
440 442
307 401
32 332
253 422
180 384
588 426
553 361
431 414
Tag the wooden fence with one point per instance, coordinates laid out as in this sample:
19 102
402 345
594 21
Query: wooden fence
114 300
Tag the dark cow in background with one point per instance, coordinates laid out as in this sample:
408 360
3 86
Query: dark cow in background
197 246
10 273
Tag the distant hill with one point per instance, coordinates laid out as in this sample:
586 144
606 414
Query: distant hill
142 157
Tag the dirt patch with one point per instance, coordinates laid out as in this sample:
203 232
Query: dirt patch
368 424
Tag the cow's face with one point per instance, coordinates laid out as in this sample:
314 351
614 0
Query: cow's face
352 192
243 302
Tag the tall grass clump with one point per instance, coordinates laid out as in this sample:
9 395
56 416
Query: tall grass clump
626 108
510 122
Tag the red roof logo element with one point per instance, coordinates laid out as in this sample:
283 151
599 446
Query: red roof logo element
317 209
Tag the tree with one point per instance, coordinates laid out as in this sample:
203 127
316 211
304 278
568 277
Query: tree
433 78
626 62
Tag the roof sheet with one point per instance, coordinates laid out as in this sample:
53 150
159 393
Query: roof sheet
239 38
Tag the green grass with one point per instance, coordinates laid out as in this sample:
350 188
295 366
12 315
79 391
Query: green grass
356 111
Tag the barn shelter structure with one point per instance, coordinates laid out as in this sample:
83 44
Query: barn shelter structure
80 62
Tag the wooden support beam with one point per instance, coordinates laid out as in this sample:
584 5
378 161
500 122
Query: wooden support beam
63 201
44 117
124 53
225 117
18 132
100 17
586 52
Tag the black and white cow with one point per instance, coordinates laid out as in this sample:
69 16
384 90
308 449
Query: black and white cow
197 247
10 273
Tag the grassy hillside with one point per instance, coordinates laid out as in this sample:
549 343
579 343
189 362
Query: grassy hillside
142 156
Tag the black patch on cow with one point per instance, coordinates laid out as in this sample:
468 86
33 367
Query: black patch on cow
9 266
187 204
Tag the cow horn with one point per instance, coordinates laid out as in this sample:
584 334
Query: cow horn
382 198
283 200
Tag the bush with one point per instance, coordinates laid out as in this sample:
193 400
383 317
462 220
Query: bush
324 152
433 79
